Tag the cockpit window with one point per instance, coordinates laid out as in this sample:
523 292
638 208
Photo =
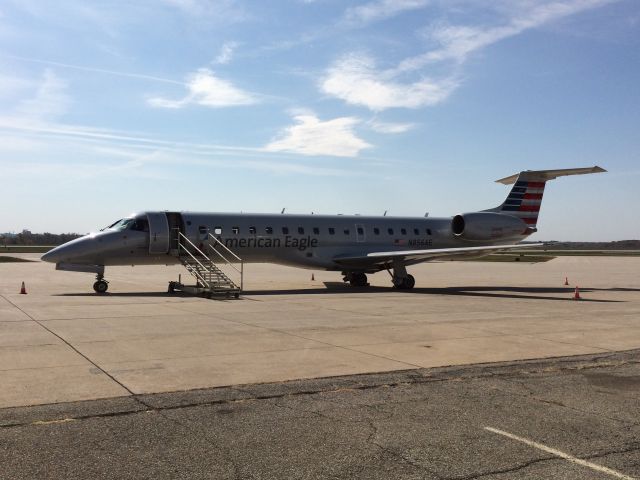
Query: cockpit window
112 225
140 225
121 224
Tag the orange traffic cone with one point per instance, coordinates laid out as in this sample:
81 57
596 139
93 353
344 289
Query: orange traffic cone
566 280
23 290
313 278
576 296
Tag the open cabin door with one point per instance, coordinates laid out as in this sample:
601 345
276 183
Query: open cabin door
158 232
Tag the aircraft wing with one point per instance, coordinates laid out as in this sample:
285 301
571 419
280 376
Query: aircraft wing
417 256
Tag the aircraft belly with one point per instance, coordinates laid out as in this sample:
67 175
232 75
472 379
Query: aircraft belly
288 257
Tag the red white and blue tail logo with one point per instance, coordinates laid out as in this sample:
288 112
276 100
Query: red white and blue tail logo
524 201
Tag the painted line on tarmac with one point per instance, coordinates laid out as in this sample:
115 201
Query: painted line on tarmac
558 453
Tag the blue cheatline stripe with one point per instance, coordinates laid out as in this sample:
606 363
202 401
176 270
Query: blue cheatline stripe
509 201
515 195
511 208
521 183
519 189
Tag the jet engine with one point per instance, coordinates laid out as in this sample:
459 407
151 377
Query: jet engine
483 226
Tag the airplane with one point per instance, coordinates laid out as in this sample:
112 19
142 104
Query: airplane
352 244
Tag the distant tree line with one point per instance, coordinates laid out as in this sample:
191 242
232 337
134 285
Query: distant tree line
616 245
28 238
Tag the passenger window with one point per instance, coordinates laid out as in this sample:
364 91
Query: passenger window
285 230
316 231
269 230
376 230
235 230
217 231
332 231
390 230
301 230
403 231
428 231
360 231
252 230
202 229
416 231
346 231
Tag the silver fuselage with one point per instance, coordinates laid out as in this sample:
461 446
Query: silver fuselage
308 241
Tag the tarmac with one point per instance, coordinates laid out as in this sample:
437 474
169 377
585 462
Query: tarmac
305 378
63 343
573 418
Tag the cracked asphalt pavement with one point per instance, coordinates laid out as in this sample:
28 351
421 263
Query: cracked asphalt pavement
414 424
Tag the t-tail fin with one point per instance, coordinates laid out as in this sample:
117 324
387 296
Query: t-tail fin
525 196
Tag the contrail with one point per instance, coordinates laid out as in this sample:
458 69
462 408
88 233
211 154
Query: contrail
93 69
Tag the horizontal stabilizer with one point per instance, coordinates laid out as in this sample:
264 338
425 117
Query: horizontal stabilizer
544 175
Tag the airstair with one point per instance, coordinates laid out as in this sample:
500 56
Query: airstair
212 278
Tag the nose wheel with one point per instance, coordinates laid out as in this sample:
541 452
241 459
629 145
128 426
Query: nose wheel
101 285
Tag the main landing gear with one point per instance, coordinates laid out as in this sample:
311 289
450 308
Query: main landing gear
401 279
356 279
101 285
406 283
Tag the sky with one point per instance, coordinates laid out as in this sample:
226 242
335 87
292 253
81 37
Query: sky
109 107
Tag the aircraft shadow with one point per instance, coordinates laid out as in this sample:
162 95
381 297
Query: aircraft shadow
531 293
339 288
124 294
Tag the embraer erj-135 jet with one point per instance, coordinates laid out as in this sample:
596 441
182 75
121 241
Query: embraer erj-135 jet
352 244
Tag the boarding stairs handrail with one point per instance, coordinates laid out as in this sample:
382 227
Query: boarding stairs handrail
217 241
193 271
212 269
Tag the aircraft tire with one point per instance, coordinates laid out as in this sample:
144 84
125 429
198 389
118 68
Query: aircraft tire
359 280
406 283
100 286
409 282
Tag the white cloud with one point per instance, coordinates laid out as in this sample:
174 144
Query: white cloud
355 80
204 88
226 53
457 42
50 100
390 127
379 10
96 152
311 136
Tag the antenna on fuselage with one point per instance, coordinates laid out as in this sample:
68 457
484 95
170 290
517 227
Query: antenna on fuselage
283 210
426 214
385 213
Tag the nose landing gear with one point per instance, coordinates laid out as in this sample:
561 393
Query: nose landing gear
101 285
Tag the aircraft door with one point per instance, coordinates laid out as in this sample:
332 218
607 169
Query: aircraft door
360 233
158 232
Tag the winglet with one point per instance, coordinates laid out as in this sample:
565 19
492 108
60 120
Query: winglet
544 175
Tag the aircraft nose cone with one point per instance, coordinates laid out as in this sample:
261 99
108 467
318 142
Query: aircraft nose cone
51 256
68 251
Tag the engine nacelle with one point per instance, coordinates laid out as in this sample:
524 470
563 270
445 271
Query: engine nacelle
482 226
